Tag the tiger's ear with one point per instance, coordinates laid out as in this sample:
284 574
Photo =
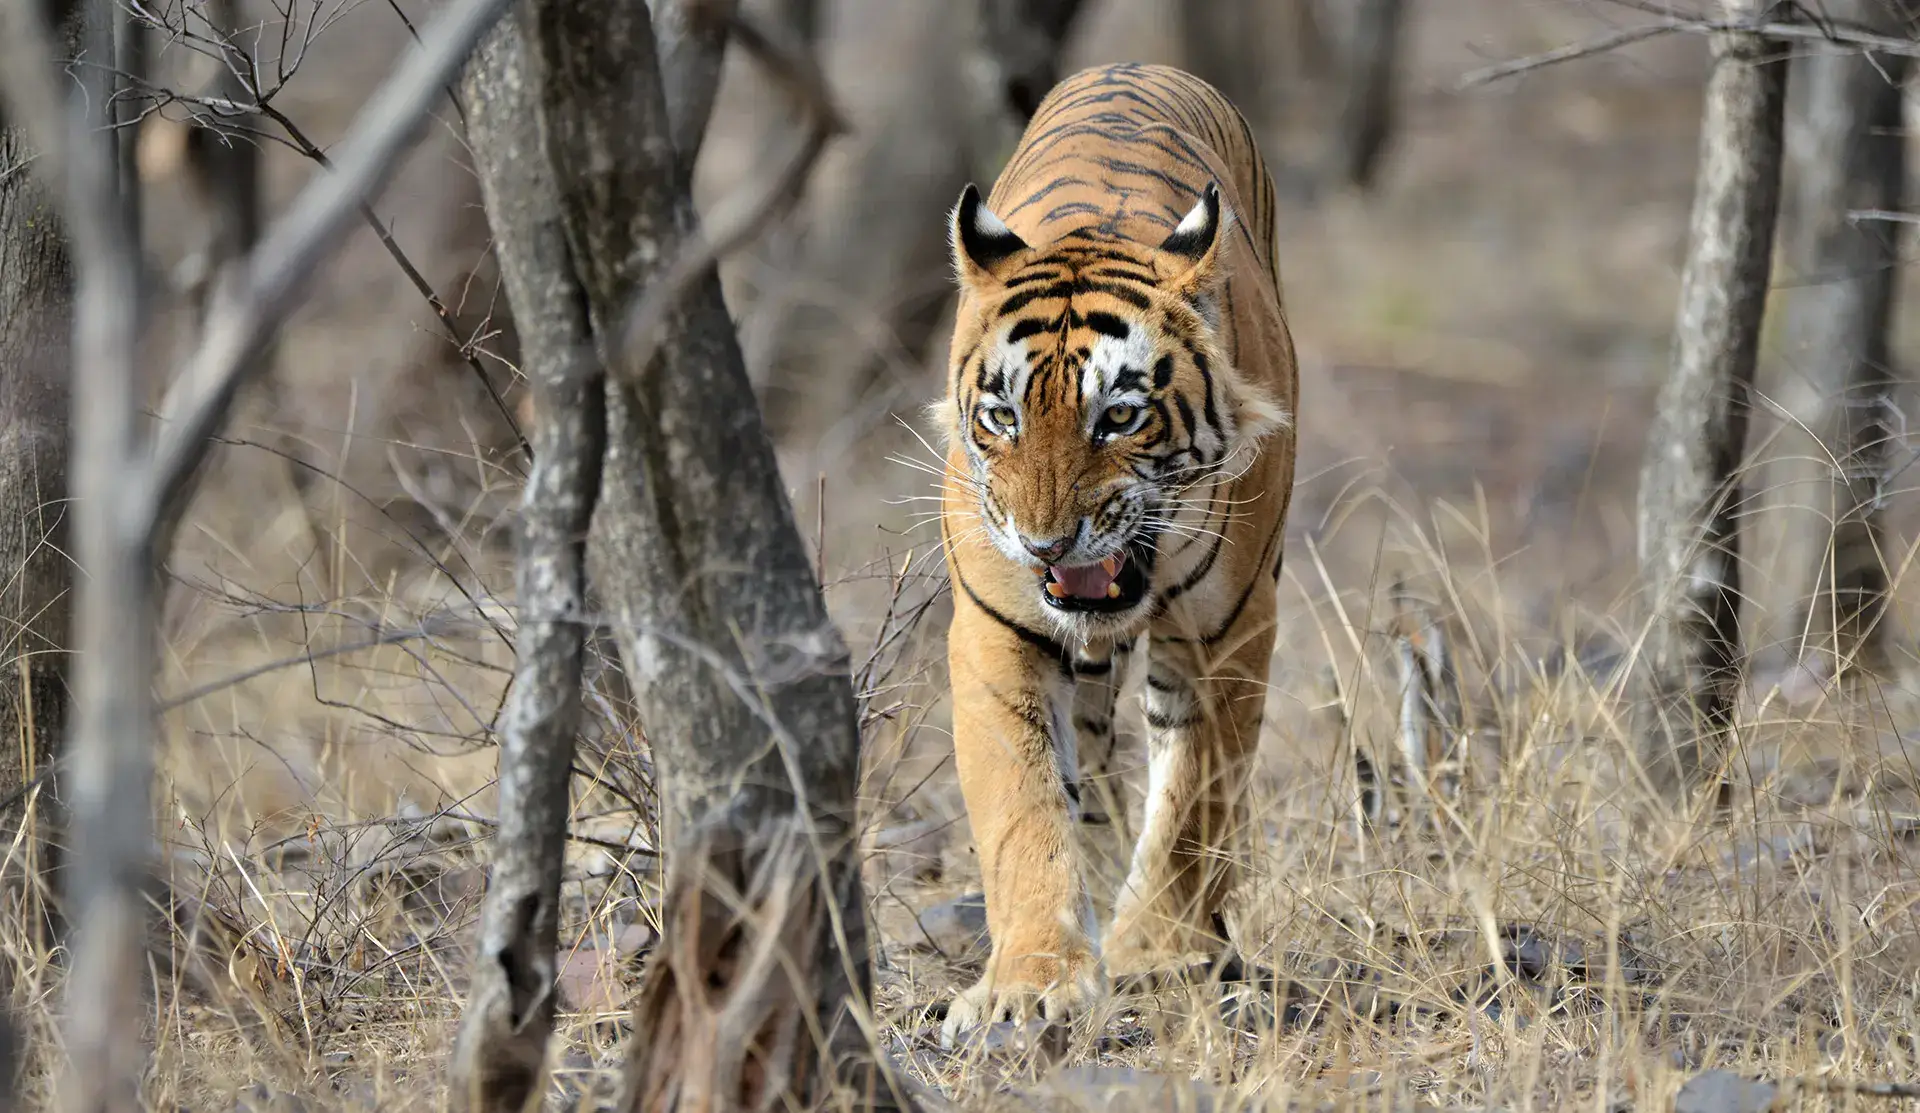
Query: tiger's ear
985 250
1189 256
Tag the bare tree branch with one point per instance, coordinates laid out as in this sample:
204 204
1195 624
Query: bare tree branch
1611 41
419 281
1835 32
250 304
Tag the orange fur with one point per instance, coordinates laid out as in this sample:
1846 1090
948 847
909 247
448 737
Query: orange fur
1122 385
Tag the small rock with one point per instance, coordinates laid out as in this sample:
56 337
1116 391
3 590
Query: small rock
1531 955
957 928
1248 1010
1124 1090
589 980
1021 1037
1779 849
910 850
632 940
1720 1091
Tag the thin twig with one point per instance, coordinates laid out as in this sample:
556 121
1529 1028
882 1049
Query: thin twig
308 148
1889 215
1486 75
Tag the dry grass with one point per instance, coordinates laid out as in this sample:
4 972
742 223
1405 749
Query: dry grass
1551 938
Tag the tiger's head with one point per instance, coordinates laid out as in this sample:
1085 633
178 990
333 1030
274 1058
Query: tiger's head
1088 391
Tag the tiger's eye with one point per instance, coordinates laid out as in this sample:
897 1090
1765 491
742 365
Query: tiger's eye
1120 416
998 419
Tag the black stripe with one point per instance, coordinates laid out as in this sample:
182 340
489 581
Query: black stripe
1030 326
1046 645
1106 324
1125 293
1234 615
1024 298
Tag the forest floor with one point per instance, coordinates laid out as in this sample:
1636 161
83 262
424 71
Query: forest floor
1481 339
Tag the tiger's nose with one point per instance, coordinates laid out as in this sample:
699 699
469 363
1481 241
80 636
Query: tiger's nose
1048 551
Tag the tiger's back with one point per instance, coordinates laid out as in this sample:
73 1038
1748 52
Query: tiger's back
1130 148
1120 462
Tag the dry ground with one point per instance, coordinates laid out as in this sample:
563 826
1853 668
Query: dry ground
1480 340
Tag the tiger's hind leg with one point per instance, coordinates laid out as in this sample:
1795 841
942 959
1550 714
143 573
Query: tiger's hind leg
1098 672
1204 708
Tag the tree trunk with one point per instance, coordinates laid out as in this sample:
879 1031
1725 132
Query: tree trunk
738 675
1824 601
1023 40
1689 490
1368 78
36 332
501 1049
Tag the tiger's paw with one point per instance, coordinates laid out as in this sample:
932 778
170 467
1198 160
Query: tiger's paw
1077 985
1144 945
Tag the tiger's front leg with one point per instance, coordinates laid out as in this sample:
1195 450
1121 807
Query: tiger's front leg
1009 703
1204 705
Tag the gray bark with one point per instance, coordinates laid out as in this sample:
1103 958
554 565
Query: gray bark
36 328
693 44
1848 153
737 673
503 1032
1368 83
115 628
694 503
1689 489
739 676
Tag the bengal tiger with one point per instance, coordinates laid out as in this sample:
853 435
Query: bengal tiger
1120 455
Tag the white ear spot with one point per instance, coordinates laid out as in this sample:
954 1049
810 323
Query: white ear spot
1192 224
989 225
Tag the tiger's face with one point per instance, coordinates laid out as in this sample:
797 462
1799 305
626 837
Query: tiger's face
1088 394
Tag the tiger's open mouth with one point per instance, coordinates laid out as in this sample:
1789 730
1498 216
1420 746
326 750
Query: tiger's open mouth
1115 584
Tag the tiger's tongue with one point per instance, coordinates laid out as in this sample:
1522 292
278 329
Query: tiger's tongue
1088 581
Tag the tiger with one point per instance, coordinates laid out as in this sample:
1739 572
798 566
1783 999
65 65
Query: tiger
1119 439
